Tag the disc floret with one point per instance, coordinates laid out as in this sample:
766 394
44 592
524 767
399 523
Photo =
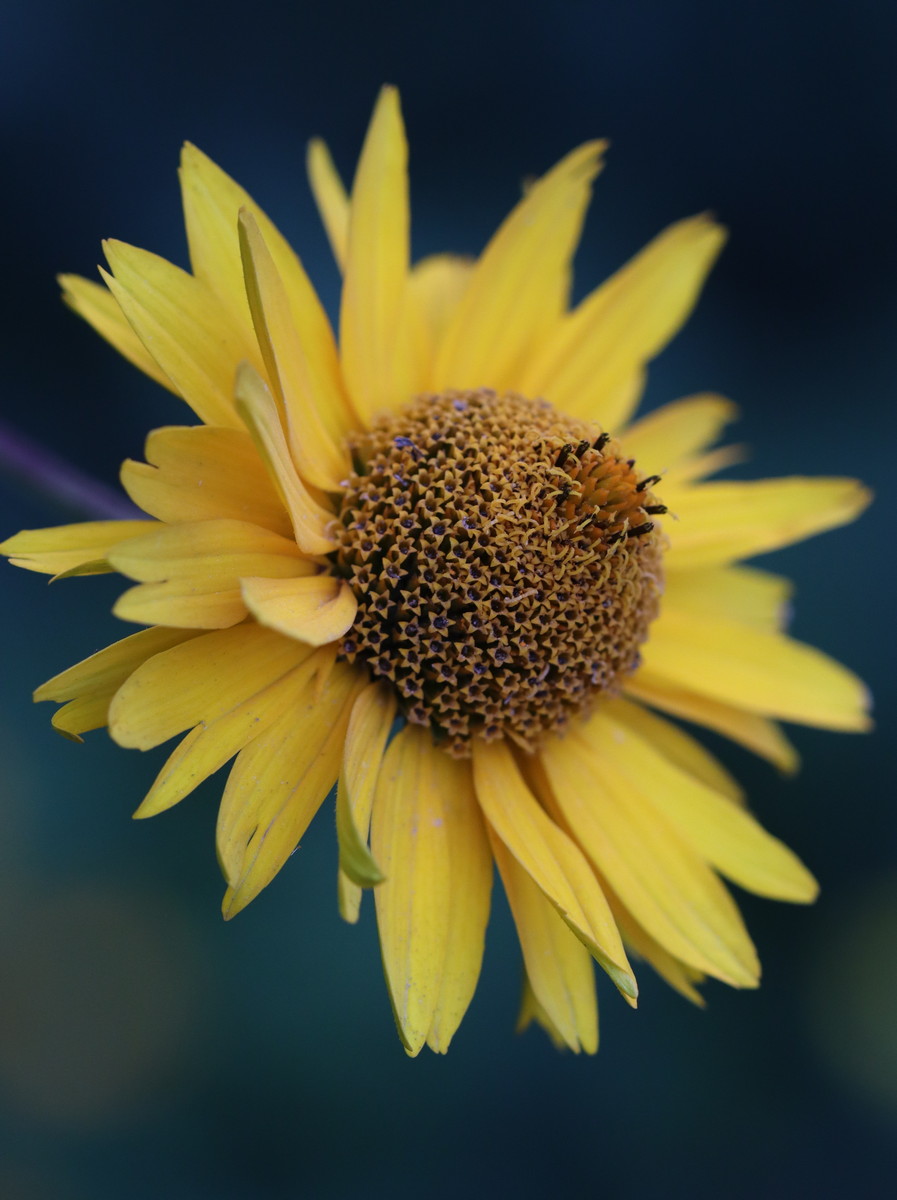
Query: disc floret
505 560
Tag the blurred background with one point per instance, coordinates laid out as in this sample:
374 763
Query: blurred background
147 1049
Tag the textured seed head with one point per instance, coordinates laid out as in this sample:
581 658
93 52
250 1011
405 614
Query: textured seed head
505 564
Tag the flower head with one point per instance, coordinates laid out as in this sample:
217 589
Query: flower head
435 563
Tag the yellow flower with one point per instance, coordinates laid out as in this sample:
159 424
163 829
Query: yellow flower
426 525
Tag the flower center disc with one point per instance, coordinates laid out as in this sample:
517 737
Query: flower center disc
505 564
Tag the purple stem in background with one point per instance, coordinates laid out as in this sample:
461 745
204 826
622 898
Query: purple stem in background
52 478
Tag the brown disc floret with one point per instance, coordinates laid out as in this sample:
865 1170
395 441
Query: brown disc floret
505 561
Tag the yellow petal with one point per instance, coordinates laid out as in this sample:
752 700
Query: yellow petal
212 743
301 360
558 966
438 284
720 522
531 1010
428 837
675 431
316 608
666 885
722 833
676 745
550 857
678 975
624 323
767 673
699 466
376 356
181 603
64 548
198 473
757 733
369 728
519 286
193 572
330 197
758 598
90 684
257 408
99 308
198 681
277 785
184 326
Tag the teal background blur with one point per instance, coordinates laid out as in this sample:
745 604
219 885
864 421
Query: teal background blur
148 1050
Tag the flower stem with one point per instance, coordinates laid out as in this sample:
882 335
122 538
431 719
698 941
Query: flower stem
50 477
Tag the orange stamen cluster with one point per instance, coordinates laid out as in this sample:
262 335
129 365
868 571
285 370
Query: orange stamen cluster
505 564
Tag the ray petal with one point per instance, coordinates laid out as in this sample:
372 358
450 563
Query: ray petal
331 198
63 548
184 326
666 885
584 368
374 335
369 727
722 521
314 608
558 966
198 472
300 356
99 308
428 837
550 858
518 288
766 673
278 783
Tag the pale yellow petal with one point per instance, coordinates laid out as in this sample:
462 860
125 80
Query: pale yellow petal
722 833
550 857
676 745
766 673
197 473
374 335
558 966
301 365
369 727
212 743
624 323
758 598
723 521
278 783
64 548
759 734
428 837
315 608
99 308
90 684
184 326
331 198
669 434
257 407
198 681
666 885
519 286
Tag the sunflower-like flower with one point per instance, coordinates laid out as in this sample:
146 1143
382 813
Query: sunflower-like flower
434 563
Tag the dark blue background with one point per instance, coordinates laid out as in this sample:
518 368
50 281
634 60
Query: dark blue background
147 1049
